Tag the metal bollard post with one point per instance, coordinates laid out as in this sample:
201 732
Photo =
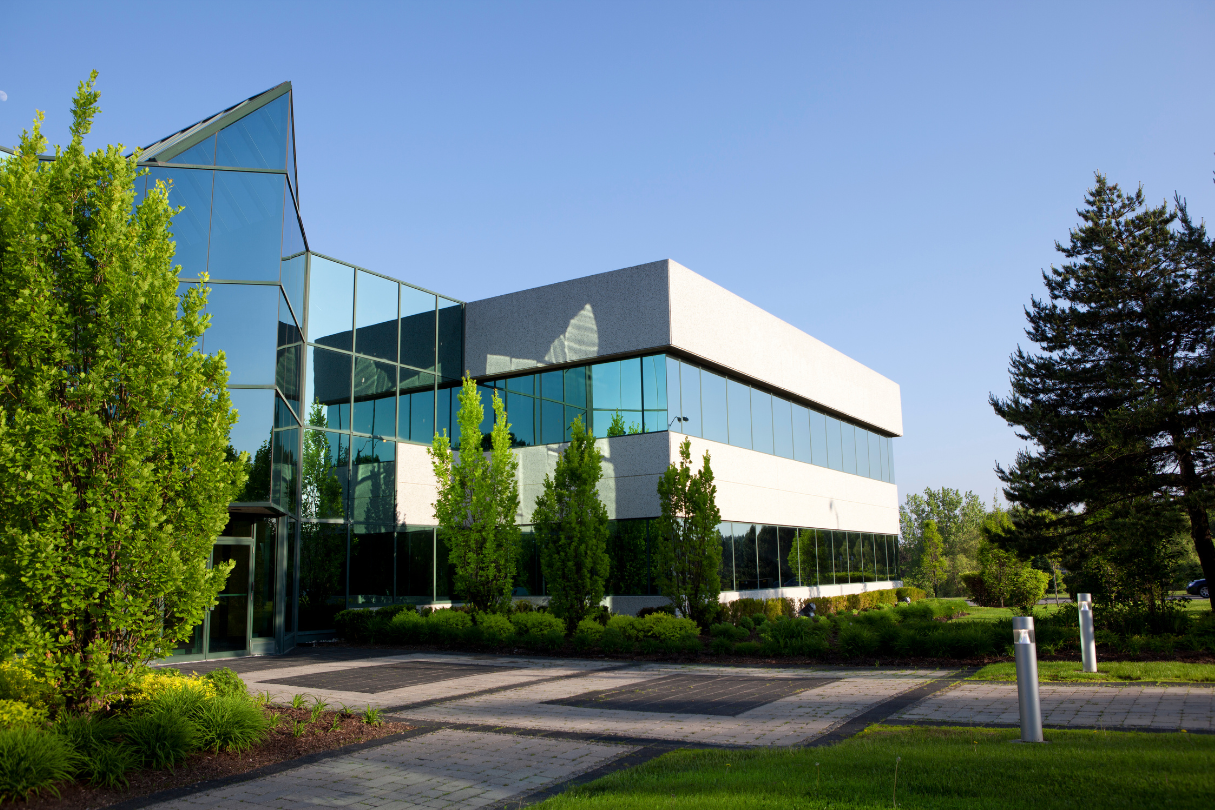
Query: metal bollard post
1088 641
1026 652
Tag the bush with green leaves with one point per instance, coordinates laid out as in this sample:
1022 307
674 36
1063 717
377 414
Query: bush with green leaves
799 637
160 739
447 626
231 723
729 632
495 628
587 634
107 765
227 683
16 714
32 760
541 630
407 627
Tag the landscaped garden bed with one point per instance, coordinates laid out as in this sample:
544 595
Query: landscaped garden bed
168 731
867 629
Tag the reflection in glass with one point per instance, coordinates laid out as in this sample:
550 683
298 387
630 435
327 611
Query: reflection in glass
415 565
674 403
572 413
862 452
769 559
191 228
575 386
848 443
746 570
376 316
654 392
552 385
761 420
284 484
288 368
257 141
374 481
247 226
292 270
605 386
740 414
417 328
229 630
726 532
200 154
802 448
322 578
522 385
552 422
244 320
251 434
451 338
375 401
326 475
818 438
875 456
714 423
787 550
330 303
520 412
371 567
327 389
689 397
289 579
834 459
265 573
782 427
628 550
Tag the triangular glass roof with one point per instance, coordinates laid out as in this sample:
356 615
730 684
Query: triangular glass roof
253 134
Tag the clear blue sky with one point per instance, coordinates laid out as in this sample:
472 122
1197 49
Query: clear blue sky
890 178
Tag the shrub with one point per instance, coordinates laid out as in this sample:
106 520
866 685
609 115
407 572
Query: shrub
107 765
522 607
446 626
181 702
915 594
740 608
746 624
15 714
728 632
160 739
650 611
587 634
147 686
229 724
33 760
227 683
18 683
614 640
746 648
495 628
856 640
776 608
407 627
627 626
665 627
537 629
721 645
353 625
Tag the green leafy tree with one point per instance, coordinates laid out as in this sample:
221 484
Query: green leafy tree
478 503
1005 579
1117 404
958 517
572 527
617 427
322 545
113 426
932 557
689 544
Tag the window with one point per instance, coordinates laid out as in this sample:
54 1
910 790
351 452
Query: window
689 395
848 454
418 328
761 421
654 392
862 452
714 422
330 304
818 438
257 141
746 570
375 402
726 574
782 427
740 414
191 228
327 389
834 457
244 326
247 226
451 339
376 316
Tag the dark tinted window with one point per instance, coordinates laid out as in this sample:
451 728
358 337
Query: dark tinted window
330 303
375 312
327 388
417 328
746 572
322 577
375 402
451 339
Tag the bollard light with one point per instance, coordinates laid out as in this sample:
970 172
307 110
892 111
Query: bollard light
1088 640
1025 651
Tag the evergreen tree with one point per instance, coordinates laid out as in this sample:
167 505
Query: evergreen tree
113 425
932 556
1119 402
572 527
478 503
689 545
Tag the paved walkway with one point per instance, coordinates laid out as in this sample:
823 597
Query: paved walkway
497 732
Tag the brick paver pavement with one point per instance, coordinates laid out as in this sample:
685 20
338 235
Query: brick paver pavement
1125 706
443 769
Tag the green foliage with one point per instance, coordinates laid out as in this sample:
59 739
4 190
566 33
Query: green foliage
616 428
542 630
230 723
572 528
32 761
448 626
15 714
373 717
227 683
587 634
107 765
1117 404
958 517
478 502
689 545
160 739
1004 578
113 425
495 628
932 558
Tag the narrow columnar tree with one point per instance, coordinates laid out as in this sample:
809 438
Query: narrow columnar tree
114 428
477 504
932 556
689 544
572 527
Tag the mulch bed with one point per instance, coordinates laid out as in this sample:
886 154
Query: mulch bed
280 746
830 659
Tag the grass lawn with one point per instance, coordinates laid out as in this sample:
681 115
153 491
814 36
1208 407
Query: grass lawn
988 614
1106 671
954 768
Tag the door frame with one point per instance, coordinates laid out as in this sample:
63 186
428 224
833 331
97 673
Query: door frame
248 650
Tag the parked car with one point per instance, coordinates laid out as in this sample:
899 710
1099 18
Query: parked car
1199 588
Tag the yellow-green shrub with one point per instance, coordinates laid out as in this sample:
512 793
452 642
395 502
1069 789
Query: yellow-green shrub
147 686
15 714
17 683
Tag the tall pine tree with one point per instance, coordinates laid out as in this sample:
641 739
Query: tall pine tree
1119 402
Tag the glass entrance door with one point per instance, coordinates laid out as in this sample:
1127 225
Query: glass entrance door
229 627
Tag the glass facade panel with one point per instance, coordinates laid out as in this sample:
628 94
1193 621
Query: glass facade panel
230 616
288 367
326 481
445 570
521 412
802 448
746 567
875 456
293 267
451 339
848 448
247 226
257 141
421 417
630 384
327 387
374 469
330 303
528 578
605 383
415 565
862 452
200 154
674 405
818 438
890 460
251 434
375 401
768 555
418 328
630 555
289 579
371 567
714 417
725 531
322 578
654 392
761 421
782 427
575 387
244 322
786 556
191 228
375 312
740 413
835 458
285 482
689 396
